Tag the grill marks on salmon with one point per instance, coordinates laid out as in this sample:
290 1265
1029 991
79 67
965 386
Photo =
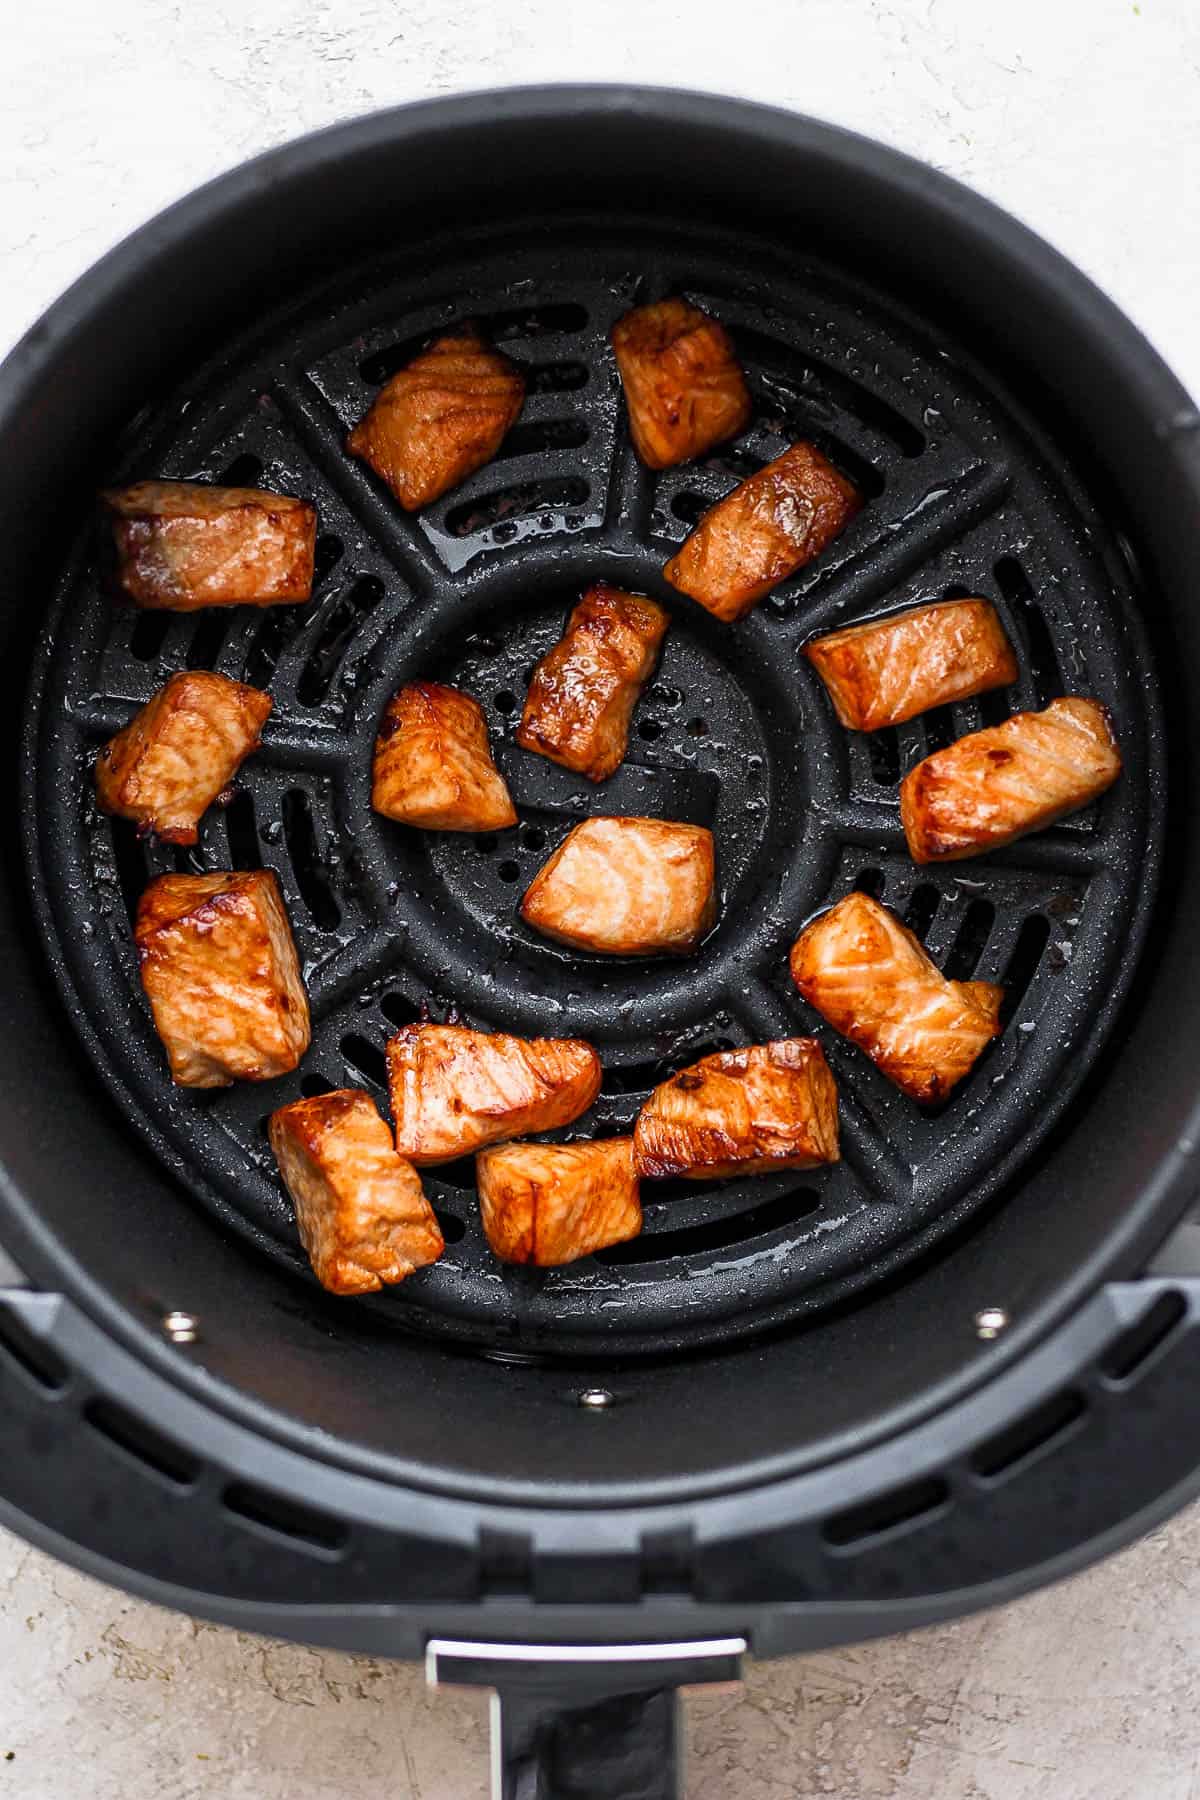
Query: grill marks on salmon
1000 784
548 1204
440 418
582 694
454 1090
741 1112
627 887
892 669
772 524
360 1209
182 545
433 764
684 386
871 979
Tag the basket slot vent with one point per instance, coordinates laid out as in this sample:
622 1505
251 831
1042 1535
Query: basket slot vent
1023 964
285 1518
300 834
31 1355
241 823
1127 1356
143 1442
716 1234
1030 1436
970 941
900 1509
511 504
1015 586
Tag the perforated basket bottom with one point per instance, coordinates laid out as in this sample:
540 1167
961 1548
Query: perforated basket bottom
965 496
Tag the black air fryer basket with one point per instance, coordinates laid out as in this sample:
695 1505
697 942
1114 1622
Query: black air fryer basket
798 1409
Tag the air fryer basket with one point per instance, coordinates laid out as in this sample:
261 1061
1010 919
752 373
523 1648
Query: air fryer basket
775 1416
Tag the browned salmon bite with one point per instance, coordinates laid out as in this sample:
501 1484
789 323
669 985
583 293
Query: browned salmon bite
548 1204
871 979
1000 784
220 971
433 764
185 745
182 545
684 386
360 1209
582 694
440 418
627 887
889 670
741 1112
770 526
454 1090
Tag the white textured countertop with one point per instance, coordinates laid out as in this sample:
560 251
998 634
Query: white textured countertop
1083 117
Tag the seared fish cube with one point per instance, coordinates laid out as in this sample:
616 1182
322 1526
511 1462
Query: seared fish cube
1014 778
583 693
870 977
360 1209
433 765
684 386
770 526
627 887
889 670
170 762
440 418
553 1203
454 1090
182 545
220 972
741 1112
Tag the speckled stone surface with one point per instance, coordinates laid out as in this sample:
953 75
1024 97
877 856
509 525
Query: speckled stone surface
1083 116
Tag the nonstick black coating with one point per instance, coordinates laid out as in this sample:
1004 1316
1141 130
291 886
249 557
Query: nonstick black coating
964 496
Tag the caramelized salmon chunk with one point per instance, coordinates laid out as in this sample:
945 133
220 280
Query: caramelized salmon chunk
770 526
583 693
870 977
741 1112
628 887
454 1090
684 386
433 765
171 761
1000 784
553 1203
361 1212
889 670
440 418
220 972
182 545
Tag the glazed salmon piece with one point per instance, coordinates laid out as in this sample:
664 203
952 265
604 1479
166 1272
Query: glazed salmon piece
433 764
741 1112
182 749
684 386
220 971
182 545
553 1203
440 418
361 1212
1002 783
766 529
629 887
889 670
871 979
583 692
454 1090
